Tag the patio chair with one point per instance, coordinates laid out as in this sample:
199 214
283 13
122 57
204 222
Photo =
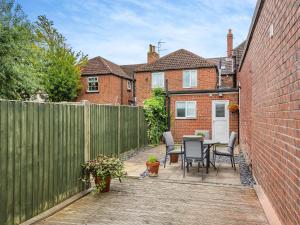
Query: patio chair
194 151
172 148
229 152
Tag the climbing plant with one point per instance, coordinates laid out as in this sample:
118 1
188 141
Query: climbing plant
156 115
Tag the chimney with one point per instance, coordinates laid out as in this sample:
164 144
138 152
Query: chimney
229 43
152 54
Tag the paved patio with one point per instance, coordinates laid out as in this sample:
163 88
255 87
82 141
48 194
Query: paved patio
224 174
168 199
154 201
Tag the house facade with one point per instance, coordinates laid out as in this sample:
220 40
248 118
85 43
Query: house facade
105 82
270 104
195 101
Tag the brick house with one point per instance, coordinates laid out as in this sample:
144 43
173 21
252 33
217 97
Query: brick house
105 82
270 104
195 100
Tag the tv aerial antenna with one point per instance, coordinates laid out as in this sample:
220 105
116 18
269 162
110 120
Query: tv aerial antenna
159 46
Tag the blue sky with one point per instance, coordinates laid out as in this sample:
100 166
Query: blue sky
121 30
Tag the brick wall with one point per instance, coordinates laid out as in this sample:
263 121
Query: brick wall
207 79
112 90
203 121
270 104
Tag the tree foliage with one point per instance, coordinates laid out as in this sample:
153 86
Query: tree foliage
61 67
156 115
35 57
19 77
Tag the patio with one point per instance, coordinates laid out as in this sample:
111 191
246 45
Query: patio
168 199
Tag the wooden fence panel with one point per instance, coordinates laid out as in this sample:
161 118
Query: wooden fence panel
42 146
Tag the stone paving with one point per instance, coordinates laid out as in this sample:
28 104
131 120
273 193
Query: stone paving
154 201
224 174
218 199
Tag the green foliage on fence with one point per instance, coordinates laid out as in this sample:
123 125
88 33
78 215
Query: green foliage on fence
42 147
156 115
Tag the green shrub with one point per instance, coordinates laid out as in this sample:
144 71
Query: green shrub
156 115
152 159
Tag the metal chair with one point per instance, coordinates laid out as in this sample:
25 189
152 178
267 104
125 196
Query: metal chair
194 150
229 152
171 147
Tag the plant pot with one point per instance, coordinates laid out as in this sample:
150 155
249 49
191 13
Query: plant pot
98 181
153 168
174 158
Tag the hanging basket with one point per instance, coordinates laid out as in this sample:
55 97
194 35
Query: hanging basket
233 107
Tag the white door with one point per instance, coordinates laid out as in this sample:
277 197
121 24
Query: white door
220 120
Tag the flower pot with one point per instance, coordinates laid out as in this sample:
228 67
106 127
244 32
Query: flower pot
174 158
153 168
98 181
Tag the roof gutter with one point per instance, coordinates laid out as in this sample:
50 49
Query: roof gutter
208 91
255 18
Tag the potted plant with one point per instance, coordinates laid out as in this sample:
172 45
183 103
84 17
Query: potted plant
200 134
233 107
103 169
152 166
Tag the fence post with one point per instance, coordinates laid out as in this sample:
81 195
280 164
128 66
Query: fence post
87 130
119 130
138 127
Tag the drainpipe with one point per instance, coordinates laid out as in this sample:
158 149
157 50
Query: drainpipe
167 105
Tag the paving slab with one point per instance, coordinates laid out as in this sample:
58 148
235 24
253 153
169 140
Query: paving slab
156 201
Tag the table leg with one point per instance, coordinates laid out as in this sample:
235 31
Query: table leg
208 158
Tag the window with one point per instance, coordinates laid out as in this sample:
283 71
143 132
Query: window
186 109
189 78
93 84
158 80
220 110
128 85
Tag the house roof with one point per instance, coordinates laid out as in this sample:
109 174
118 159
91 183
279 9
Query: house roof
101 66
129 69
180 59
227 64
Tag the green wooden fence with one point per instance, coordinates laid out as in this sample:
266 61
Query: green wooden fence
42 146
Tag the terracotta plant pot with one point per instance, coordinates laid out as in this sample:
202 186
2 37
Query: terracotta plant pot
98 181
174 158
153 168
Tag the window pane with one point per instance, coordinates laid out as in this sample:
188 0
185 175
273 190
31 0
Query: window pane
220 110
191 109
186 79
194 78
157 80
180 109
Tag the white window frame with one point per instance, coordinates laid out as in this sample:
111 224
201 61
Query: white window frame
129 85
190 80
88 86
158 73
186 116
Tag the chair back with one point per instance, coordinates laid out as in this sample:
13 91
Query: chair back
193 148
168 140
231 142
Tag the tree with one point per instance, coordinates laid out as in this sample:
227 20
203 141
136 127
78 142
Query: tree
62 65
18 76
156 115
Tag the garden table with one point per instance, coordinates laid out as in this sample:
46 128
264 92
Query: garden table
210 143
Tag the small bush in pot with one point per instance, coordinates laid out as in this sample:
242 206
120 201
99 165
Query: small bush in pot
201 135
103 169
152 166
233 107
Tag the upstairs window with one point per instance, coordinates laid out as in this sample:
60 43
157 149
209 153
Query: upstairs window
128 85
93 84
185 109
158 80
189 78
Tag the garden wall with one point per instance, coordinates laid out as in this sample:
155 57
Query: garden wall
42 146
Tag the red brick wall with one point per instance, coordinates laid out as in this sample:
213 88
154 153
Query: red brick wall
203 121
270 104
207 79
110 90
